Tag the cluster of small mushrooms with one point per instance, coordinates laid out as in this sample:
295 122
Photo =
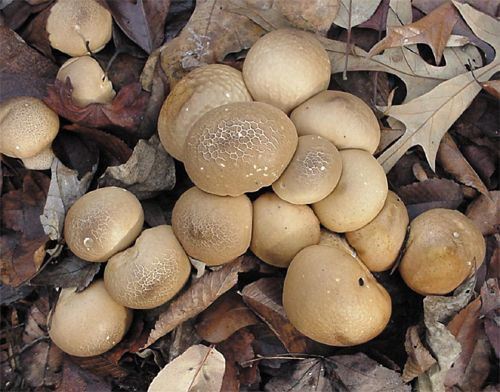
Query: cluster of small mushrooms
330 218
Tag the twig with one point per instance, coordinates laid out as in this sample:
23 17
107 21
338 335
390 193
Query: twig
348 43
26 347
281 356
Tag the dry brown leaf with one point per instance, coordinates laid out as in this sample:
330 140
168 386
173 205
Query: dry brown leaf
433 30
419 358
199 296
199 368
485 212
361 11
493 87
478 368
76 379
314 15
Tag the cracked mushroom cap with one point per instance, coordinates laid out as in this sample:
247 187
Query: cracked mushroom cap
72 23
27 128
332 298
90 84
239 148
89 322
344 119
281 229
102 223
359 196
378 243
213 229
286 67
198 92
149 273
443 249
313 172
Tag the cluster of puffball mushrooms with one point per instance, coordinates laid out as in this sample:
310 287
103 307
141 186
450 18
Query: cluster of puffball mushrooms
330 218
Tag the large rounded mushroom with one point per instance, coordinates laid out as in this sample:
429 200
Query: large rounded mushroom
102 223
90 83
340 117
332 298
444 248
213 229
149 273
313 172
285 67
281 229
88 323
239 147
27 129
359 195
77 26
198 92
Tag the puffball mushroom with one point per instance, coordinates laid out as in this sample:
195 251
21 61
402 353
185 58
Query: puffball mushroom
340 117
444 248
286 67
213 229
73 25
359 196
239 147
281 229
89 322
198 92
27 129
149 273
313 172
90 83
378 243
332 298
103 222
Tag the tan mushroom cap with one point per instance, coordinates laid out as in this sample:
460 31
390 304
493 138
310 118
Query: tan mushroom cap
340 117
313 172
198 92
239 147
378 243
88 323
332 298
281 229
72 23
41 161
27 127
338 241
102 223
213 229
359 195
149 273
444 248
90 84
285 67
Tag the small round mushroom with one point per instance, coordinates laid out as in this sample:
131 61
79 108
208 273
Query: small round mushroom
89 82
198 92
444 248
103 222
281 229
285 67
27 129
313 172
239 147
213 229
149 273
359 195
88 323
332 298
378 243
73 25
340 117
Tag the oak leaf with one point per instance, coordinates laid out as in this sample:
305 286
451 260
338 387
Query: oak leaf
360 11
419 358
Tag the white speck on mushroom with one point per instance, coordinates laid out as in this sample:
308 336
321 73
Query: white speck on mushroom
456 234
88 242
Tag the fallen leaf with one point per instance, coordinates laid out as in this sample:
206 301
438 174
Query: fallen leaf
264 298
492 87
484 161
360 11
181 338
200 368
142 21
76 379
224 317
433 30
149 170
9 294
419 358
485 212
76 152
313 15
24 70
454 163
490 296
16 13
36 34
125 111
479 366
199 296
